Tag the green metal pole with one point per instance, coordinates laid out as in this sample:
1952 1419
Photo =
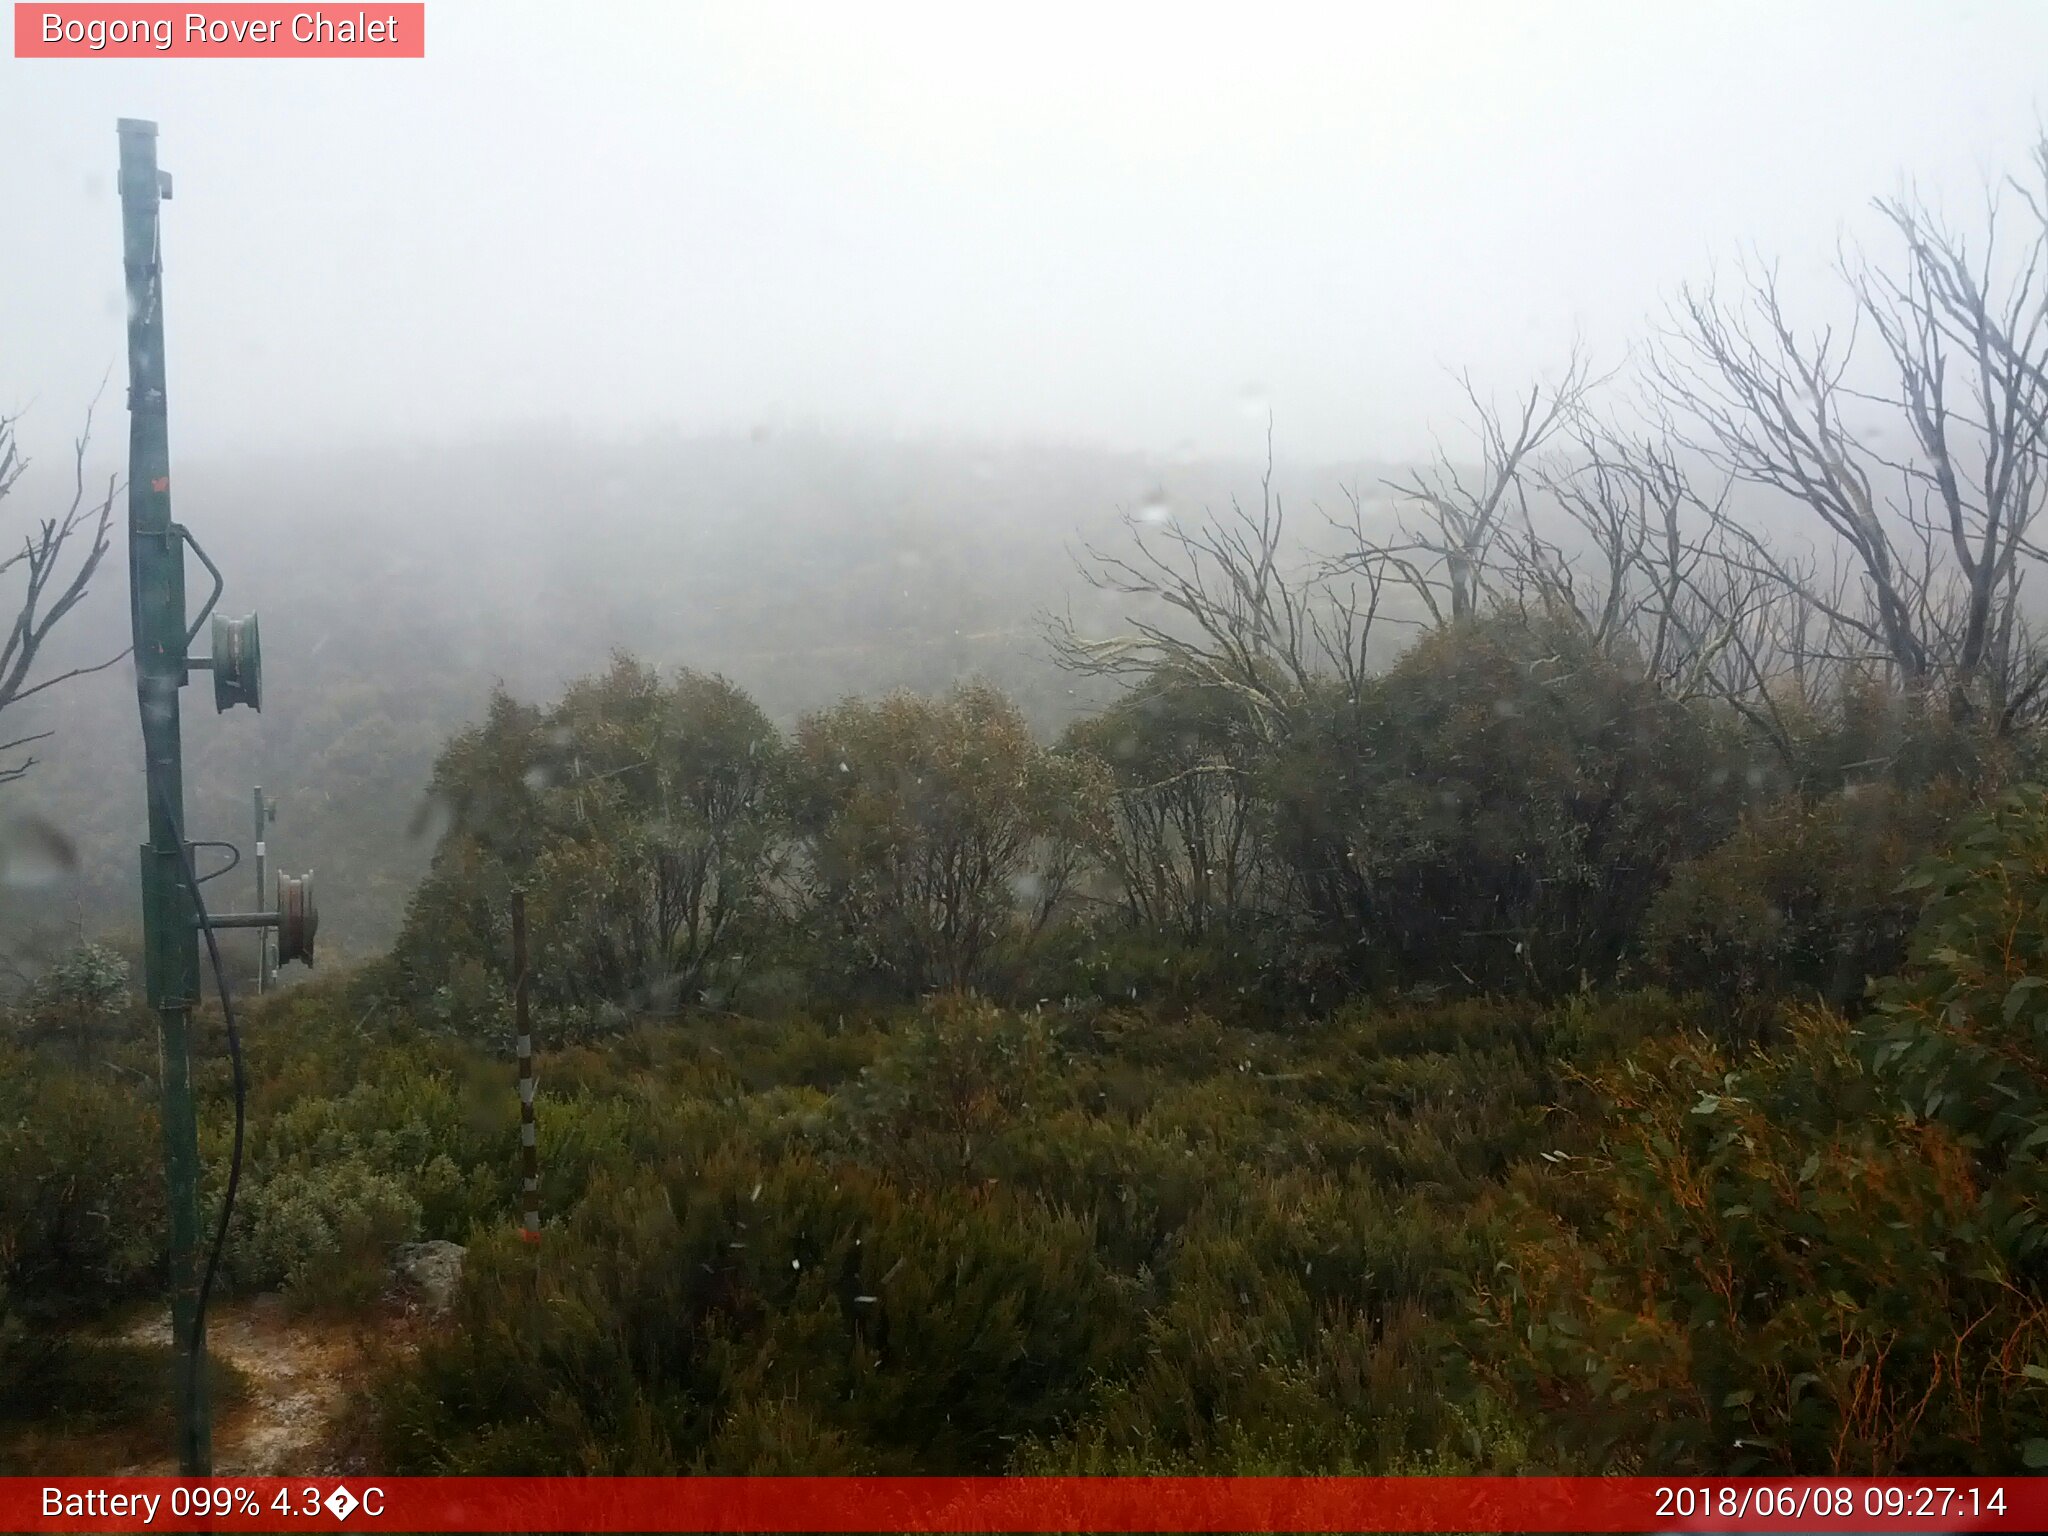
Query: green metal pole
264 812
156 578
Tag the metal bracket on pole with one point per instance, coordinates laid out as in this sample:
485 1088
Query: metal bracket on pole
296 918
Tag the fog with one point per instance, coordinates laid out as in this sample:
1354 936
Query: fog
1139 227
809 344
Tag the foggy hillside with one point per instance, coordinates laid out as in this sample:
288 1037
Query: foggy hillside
396 586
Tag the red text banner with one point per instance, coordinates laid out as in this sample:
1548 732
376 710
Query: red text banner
233 31
1123 1504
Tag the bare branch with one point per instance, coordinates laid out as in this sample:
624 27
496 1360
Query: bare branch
55 576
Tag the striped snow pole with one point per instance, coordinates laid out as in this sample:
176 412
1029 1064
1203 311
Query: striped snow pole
529 1141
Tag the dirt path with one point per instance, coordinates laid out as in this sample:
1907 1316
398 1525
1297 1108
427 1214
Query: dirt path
301 1374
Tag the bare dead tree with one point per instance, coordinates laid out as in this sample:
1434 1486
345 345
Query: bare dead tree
1765 408
1975 483
1916 558
1456 517
53 574
1659 574
1634 557
1219 607
1936 539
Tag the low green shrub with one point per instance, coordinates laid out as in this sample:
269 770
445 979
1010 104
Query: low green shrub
649 1331
1803 900
1756 1265
81 1198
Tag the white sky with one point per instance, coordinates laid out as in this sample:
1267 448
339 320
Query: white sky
1139 226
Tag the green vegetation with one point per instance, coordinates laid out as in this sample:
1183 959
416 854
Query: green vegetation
1603 1030
917 1097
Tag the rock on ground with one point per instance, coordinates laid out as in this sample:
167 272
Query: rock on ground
432 1270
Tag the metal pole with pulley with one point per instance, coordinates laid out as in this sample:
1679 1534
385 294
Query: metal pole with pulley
156 580
171 906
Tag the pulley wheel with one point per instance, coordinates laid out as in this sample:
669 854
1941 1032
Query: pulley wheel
237 664
297 918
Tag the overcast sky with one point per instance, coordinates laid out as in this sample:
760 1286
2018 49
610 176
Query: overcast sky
1134 226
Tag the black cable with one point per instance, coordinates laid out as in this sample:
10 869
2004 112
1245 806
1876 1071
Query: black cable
214 842
227 1010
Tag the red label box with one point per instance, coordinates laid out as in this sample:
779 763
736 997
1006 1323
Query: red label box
234 31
